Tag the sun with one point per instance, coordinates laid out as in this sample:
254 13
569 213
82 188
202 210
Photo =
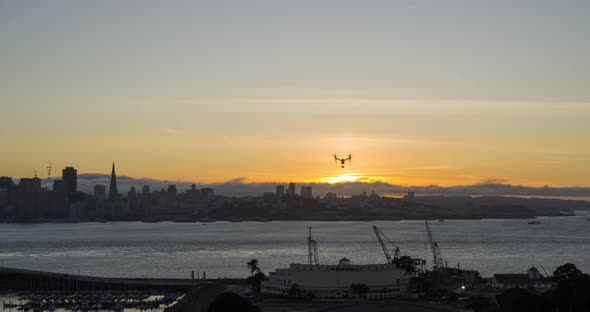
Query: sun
339 179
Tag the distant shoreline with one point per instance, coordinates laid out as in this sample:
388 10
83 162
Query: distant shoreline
171 220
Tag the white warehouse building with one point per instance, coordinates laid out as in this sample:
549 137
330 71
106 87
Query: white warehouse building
385 280
334 281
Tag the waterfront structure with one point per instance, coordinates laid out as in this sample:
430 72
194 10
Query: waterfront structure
531 280
113 194
385 280
70 180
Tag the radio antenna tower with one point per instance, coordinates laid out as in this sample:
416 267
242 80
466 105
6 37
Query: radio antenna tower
49 171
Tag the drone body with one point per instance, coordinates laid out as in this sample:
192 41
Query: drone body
342 160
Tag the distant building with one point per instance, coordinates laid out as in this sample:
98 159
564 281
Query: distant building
113 193
7 184
531 280
171 190
27 201
382 281
132 201
330 196
207 193
58 186
145 190
280 190
291 189
306 192
100 192
70 180
171 198
411 196
3 202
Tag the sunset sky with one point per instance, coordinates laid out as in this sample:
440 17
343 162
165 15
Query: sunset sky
419 92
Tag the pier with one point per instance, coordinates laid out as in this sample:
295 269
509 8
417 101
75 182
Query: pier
12 279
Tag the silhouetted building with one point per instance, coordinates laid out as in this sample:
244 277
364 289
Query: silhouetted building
291 189
70 180
100 192
145 190
59 186
113 193
4 202
207 193
7 184
54 204
330 196
133 202
411 196
171 196
280 190
27 203
306 192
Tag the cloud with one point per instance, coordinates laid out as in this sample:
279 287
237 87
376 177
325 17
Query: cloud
240 187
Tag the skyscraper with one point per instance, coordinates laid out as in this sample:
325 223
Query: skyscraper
70 180
280 190
113 186
291 189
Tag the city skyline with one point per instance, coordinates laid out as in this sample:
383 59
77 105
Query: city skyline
449 94
89 182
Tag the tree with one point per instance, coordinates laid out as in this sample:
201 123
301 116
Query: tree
256 280
295 291
572 290
230 302
566 272
360 289
253 266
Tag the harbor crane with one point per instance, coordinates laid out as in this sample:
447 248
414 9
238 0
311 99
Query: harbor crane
380 237
312 249
438 263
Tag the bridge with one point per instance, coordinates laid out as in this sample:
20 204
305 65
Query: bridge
12 279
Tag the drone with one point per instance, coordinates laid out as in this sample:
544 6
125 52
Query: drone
342 160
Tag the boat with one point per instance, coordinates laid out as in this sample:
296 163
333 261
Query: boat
534 222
